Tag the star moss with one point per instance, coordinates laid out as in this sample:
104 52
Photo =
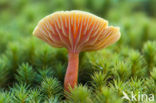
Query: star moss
33 72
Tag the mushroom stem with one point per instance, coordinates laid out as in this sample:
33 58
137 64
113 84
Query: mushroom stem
72 71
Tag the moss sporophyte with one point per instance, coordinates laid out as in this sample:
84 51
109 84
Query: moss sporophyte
76 31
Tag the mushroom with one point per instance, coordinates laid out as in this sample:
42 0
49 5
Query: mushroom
76 31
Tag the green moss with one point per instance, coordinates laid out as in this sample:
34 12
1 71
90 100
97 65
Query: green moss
33 72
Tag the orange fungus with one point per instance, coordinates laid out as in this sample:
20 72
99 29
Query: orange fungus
77 31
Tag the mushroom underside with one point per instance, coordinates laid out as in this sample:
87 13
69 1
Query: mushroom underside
76 31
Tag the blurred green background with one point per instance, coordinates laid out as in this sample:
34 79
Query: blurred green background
33 72
136 18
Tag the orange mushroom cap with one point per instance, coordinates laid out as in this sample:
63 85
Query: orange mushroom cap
77 31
